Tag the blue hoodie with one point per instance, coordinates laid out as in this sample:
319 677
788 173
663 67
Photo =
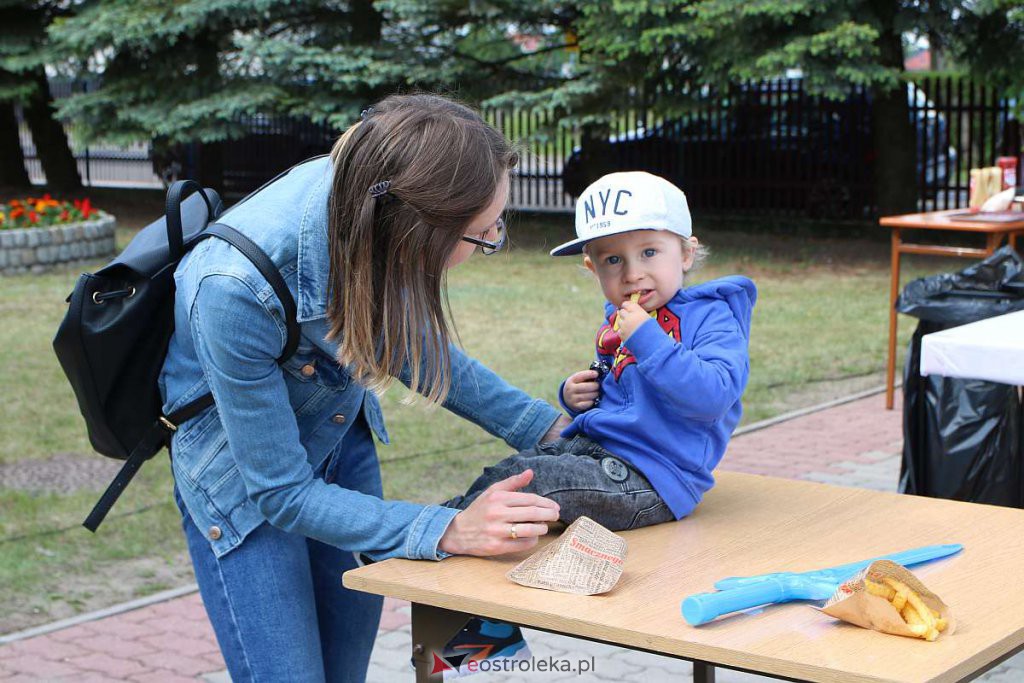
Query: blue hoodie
672 399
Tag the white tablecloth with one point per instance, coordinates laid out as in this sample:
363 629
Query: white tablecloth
991 349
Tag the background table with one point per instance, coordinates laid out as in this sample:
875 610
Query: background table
990 349
935 220
752 525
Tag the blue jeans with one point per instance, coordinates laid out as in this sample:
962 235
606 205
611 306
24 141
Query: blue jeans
276 601
584 479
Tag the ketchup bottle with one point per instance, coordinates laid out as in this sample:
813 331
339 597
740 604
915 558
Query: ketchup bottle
1009 166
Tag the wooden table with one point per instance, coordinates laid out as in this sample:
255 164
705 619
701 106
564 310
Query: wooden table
751 525
994 234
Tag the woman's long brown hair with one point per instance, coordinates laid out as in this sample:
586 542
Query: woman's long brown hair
387 302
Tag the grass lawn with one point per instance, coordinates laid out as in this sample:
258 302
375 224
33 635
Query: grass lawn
819 331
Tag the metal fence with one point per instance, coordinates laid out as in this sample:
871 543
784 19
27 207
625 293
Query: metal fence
544 145
771 147
969 126
765 147
99 165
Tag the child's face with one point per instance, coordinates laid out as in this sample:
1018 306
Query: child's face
651 262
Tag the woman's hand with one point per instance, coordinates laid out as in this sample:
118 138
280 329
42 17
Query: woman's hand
485 527
580 390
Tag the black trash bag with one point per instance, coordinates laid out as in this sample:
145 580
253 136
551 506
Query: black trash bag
962 439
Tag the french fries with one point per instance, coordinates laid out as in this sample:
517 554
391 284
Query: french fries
879 590
900 588
922 621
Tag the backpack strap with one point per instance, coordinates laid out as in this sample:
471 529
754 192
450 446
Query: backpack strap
152 442
172 210
160 433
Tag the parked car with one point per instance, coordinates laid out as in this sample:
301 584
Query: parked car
765 147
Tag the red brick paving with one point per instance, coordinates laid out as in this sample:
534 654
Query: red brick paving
818 442
172 641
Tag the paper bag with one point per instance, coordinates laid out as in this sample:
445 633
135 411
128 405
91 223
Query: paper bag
586 559
854 603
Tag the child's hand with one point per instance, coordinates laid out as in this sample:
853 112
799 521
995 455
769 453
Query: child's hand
631 316
580 390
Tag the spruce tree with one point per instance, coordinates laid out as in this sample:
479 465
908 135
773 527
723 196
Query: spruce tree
24 53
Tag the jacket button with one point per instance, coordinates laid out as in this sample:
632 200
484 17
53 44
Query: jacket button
308 370
338 419
214 533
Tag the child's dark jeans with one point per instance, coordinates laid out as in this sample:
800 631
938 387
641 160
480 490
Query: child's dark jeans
584 479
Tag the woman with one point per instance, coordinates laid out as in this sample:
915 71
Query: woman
279 483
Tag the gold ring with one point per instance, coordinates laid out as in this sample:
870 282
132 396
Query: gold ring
512 532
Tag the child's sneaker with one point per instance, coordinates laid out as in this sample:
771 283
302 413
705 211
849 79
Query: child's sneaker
479 640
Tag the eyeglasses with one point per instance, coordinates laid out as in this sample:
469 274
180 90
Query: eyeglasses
487 247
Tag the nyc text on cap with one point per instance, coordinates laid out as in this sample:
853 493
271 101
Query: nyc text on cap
627 201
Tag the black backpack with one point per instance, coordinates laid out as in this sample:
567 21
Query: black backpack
113 339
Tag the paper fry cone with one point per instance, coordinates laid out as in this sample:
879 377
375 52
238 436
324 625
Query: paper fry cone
586 559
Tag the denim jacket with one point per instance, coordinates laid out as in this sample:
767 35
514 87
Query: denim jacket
251 457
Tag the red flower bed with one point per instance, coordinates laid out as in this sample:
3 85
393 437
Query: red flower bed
44 212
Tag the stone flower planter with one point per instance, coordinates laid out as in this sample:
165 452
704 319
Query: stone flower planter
36 250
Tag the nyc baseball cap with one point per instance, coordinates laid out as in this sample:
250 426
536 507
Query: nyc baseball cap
627 201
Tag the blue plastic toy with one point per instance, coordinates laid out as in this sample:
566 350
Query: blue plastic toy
740 593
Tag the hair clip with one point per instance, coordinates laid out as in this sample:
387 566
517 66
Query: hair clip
365 113
380 189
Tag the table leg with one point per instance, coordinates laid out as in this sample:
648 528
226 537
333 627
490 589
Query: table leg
894 290
432 628
994 240
703 672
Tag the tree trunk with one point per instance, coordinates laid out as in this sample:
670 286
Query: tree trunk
896 164
51 141
211 167
893 134
211 154
13 173
366 25
367 22
936 14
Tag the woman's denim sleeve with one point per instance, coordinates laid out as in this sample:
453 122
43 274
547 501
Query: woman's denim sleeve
238 338
481 396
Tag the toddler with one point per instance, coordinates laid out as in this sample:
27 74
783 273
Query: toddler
654 413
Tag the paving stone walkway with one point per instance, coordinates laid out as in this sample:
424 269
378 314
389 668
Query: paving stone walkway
854 443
